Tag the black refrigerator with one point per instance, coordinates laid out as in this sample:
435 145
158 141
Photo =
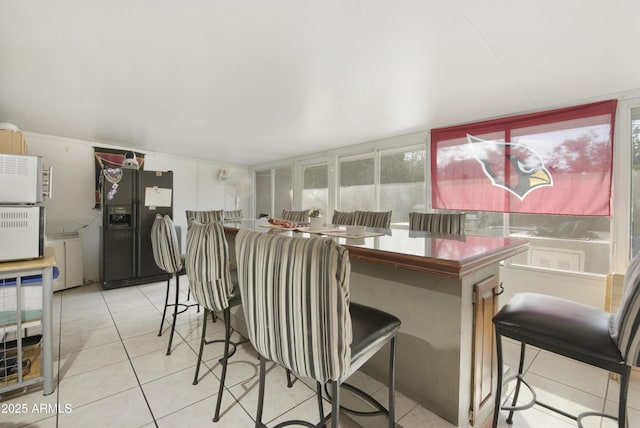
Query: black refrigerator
128 212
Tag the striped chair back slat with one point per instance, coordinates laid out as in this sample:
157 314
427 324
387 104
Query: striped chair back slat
626 321
204 216
437 222
207 265
233 215
300 216
165 245
295 296
381 219
342 217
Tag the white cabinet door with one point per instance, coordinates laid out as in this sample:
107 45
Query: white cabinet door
69 262
73 249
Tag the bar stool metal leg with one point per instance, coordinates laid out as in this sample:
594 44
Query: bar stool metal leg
320 403
175 315
335 404
261 393
289 381
379 409
518 382
392 384
204 332
496 407
225 359
166 303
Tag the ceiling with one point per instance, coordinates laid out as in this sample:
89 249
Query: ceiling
256 81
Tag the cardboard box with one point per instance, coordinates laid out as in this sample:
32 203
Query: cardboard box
12 142
31 357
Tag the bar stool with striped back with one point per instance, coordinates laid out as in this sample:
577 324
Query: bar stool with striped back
342 217
213 286
297 216
166 253
233 215
593 336
437 222
295 297
204 216
378 219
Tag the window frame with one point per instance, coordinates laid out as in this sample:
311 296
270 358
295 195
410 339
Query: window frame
442 138
299 168
356 157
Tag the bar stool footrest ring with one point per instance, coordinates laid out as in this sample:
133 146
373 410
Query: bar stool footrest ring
182 307
587 414
529 387
381 410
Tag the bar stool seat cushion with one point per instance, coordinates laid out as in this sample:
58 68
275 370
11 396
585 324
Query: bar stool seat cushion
371 330
565 327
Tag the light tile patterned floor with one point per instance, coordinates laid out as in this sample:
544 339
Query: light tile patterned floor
112 371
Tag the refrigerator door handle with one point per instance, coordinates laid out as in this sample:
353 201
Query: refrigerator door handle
136 239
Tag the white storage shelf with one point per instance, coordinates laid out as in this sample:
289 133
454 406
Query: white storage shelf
68 250
26 300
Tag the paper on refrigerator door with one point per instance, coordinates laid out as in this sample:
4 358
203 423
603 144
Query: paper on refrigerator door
157 196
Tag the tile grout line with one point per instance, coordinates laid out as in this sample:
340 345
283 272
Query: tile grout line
155 422
58 376
568 385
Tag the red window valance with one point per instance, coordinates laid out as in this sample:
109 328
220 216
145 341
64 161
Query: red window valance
551 162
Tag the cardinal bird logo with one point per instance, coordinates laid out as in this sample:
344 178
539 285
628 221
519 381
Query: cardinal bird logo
527 171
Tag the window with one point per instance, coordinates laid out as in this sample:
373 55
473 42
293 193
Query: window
357 190
272 203
263 192
555 162
315 188
402 184
635 180
544 176
283 193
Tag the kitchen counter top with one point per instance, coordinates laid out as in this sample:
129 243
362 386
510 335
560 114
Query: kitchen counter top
440 254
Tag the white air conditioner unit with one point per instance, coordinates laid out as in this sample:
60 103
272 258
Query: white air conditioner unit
556 258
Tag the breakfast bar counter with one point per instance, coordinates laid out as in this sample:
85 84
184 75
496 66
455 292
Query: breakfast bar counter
444 289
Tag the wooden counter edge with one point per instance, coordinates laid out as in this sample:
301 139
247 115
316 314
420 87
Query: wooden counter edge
48 260
447 268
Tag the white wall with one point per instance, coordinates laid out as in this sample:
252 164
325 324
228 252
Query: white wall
71 209
587 289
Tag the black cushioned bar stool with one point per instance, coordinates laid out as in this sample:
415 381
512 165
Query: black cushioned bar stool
599 338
